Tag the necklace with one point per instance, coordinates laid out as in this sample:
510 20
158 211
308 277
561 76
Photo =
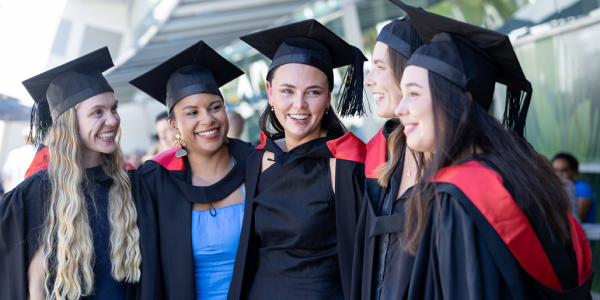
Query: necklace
204 181
409 170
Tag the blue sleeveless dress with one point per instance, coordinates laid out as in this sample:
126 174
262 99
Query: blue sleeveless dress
215 238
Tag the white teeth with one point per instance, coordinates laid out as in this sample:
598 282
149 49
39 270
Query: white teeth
106 135
408 127
208 133
378 95
299 117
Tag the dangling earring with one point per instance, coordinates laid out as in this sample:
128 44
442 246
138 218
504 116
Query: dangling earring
272 109
327 110
179 143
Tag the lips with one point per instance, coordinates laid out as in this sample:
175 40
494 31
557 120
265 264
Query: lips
409 127
378 96
208 134
106 135
299 117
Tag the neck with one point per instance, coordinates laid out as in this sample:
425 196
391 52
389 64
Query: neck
91 159
293 142
210 165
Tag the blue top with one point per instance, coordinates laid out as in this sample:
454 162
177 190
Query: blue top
215 239
584 190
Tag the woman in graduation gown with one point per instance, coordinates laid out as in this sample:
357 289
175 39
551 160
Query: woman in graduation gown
489 219
69 231
378 256
305 182
191 197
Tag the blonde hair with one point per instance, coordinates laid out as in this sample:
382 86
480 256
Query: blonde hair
66 237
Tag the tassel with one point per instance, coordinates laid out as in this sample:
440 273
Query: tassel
39 122
350 101
515 111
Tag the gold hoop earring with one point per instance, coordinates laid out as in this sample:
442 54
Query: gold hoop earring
179 143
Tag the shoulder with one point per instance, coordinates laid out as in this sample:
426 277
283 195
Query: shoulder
348 147
30 192
583 189
167 160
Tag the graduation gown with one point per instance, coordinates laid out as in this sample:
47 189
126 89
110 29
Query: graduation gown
22 213
478 244
164 197
377 231
349 152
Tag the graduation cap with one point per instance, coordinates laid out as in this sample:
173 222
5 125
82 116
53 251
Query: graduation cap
61 88
401 36
195 70
473 58
309 42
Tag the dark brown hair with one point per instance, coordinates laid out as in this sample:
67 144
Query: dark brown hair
269 124
461 128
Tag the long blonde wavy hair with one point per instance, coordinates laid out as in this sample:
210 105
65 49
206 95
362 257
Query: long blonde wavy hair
66 237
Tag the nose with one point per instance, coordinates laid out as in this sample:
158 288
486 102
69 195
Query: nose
369 79
205 117
300 102
112 119
402 109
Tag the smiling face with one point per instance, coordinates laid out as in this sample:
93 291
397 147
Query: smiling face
97 123
381 80
201 121
416 110
299 95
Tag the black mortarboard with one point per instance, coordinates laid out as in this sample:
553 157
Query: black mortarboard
309 42
401 36
195 70
61 88
473 58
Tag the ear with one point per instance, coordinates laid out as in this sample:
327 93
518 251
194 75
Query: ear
174 126
268 86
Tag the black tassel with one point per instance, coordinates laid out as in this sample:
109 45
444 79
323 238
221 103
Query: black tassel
350 101
515 112
40 121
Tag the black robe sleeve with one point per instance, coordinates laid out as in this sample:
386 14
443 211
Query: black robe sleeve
349 194
21 216
150 285
461 257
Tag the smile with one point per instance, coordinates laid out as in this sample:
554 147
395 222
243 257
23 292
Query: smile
208 132
409 127
106 135
378 96
300 117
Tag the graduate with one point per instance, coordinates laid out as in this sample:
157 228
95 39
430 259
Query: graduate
69 230
390 171
489 219
191 197
306 180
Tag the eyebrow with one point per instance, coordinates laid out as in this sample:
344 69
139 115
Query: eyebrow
379 61
413 84
316 86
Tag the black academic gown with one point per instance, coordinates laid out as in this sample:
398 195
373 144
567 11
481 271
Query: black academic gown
22 212
349 152
373 226
164 198
477 244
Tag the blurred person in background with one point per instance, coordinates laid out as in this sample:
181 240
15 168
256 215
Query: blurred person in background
567 167
136 157
164 136
236 125
17 162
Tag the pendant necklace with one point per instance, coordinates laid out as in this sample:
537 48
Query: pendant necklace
409 170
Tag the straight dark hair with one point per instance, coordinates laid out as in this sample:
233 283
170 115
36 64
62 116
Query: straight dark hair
462 127
269 124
